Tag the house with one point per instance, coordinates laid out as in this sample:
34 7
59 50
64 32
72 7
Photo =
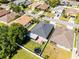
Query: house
24 20
4 12
63 37
34 5
43 29
8 17
17 2
71 12
25 2
43 6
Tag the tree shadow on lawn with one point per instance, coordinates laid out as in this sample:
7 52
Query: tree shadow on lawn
14 52
26 40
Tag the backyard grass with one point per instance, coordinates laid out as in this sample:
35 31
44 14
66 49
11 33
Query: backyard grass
31 45
53 52
22 54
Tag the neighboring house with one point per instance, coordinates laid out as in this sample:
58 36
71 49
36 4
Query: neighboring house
18 1
74 3
71 12
8 17
63 37
39 5
4 12
43 6
25 2
5 6
24 20
43 29
34 5
65 2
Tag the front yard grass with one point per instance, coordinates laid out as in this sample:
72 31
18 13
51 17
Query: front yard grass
49 14
77 21
31 45
63 18
22 54
53 52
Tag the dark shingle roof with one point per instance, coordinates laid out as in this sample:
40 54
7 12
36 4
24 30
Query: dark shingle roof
43 29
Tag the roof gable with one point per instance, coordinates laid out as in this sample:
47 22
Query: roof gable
9 17
42 29
24 19
63 36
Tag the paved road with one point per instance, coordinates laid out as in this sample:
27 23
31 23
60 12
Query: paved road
56 20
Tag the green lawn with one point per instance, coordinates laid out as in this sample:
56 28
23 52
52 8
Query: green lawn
22 54
32 26
49 14
31 45
75 41
60 25
53 52
77 21
63 18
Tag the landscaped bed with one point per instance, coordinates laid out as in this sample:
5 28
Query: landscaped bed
51 51
22 54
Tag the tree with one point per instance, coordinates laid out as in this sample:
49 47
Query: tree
3 41
15 8
53 3
17 32
9 36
